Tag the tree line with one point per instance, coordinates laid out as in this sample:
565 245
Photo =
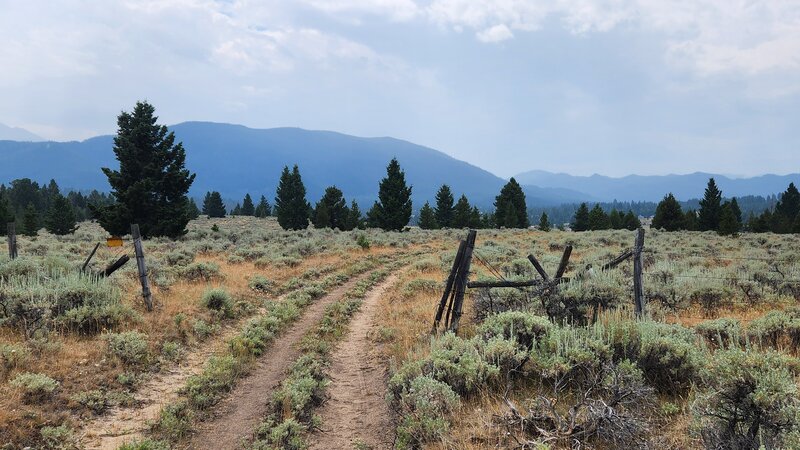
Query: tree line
725 217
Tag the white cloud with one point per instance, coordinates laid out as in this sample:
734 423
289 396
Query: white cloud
397 10
496 33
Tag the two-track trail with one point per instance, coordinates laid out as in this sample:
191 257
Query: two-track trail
235 417
357 412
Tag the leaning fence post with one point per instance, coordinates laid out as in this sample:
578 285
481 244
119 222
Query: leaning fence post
448 286
463 279
638 287
137 245
12 240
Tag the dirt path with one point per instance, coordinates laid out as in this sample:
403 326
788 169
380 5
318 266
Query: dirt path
357 412
236 417
120 425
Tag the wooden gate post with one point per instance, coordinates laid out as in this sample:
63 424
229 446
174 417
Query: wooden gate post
12 240
638 287
463 275
137 245
448 286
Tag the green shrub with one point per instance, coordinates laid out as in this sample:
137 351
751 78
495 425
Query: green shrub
172 351
58 438
260 283
773 327
147 444
362 241
303 389
218 300
12 356
35 387
749 400
720 332
95 400
424 407
129 347
202 329
287 435
205 271
175 421
218 377
523 328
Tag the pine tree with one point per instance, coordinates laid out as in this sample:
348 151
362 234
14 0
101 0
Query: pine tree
61 216
616 219
354 219
728 225
737 213
598 220
631 221
690 220
213 206
373 221
580 221
394 199
5 214
248 209
710 208
152 182
30 221
331 210
461 213
475 219
669 215
427 217
237 210
511 194
786 210
444 207
291 205
263 209
194 211
544 222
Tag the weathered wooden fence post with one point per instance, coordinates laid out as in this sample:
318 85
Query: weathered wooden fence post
89 258
448 286
638 287
463 279
137 245
12 240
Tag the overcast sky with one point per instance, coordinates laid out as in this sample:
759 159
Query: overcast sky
579 86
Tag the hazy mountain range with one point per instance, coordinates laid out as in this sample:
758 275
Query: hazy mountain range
235 160
8 133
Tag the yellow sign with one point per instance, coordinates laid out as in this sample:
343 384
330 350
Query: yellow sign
114 241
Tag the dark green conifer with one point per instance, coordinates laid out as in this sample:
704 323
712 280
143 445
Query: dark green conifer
248 208
544 222
444 207
354 219
461 213
263 209
61 216
669 216
728 225
786 210
331 210
710 207
194 211
598 219
631 221
580 221
291 205
427 217
392 211
475 219
213 206
511 194
30 221
152 182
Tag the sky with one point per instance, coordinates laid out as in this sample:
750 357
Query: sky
578 86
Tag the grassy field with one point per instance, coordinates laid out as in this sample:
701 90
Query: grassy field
713 363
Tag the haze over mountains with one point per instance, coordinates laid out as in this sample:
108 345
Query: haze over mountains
235 160
8 133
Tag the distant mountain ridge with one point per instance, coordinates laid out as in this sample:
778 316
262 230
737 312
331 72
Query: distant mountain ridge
8 133
655 187
235 160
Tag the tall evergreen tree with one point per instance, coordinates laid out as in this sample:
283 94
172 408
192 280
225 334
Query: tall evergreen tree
737 213
427 217
393 209
511 194
581 220
461 213
291 205
631 221
30 221
444 207
598 220
61 216
331 210
248 208
616 220
786 210
690 220
710 207
194 211
5 214
728 225
263 209
237 210
544 222
152 182
213 206
669 215
475 218
354 219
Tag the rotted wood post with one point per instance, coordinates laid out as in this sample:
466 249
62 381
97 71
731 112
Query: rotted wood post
12 240
638 287
463 279
137 245
89 258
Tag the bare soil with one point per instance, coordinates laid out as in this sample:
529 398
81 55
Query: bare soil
357 412
235 418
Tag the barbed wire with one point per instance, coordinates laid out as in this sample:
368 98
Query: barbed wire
709 277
